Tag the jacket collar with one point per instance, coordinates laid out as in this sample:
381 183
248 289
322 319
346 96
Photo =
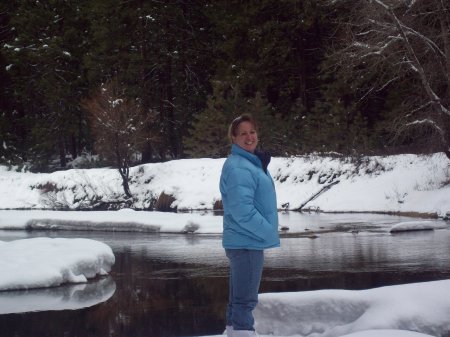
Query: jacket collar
236 149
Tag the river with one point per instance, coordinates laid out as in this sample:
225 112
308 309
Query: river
176 285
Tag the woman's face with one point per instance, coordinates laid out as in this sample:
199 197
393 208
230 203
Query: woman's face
246 137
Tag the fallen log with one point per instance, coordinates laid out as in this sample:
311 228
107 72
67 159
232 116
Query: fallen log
325 188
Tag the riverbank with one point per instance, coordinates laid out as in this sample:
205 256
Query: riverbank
292 224
402 184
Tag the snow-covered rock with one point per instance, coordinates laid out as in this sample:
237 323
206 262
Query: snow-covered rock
45 262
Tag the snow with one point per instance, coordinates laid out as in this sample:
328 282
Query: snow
122 220
417 307
402 183
397 184
415 226
385 332
409 310
45 262
127 220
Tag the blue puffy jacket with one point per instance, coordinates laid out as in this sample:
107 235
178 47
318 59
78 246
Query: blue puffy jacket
250 219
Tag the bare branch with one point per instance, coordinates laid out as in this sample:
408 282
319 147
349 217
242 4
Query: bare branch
119 124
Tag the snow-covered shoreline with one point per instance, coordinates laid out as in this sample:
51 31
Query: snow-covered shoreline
128 220
399 184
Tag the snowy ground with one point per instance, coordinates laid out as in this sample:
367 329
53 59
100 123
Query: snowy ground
419 309
421 306
403 183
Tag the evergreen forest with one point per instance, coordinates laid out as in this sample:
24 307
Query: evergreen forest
142 81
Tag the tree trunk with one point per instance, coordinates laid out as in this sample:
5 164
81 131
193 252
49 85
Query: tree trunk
123 167
124 173
445 31
170 117
73 146
62 152
147 153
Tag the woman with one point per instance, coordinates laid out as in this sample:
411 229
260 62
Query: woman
250 222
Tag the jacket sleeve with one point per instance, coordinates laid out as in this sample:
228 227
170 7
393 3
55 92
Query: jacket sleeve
240 188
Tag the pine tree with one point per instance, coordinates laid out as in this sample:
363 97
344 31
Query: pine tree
272 47
209 133
47 81
7 149
268 130
159 51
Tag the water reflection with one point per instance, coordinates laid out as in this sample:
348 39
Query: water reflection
67 297
343 222
176 285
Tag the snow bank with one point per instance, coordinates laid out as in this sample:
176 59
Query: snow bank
386 333
409 226
198 223
45 262
403 183
421 307
121 221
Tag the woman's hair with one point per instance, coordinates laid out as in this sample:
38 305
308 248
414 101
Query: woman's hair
233 128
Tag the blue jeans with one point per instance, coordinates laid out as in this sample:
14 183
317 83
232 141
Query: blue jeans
246 267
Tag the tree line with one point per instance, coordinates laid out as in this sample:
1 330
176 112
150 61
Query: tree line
144 81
